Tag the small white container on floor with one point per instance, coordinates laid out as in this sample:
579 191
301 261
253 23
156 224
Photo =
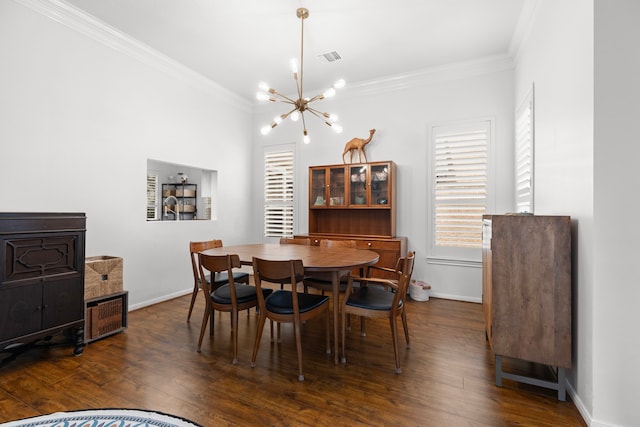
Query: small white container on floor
419 291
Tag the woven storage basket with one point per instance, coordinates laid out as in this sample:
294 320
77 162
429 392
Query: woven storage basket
102 276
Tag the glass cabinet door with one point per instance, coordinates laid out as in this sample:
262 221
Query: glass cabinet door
379 185
336 186
318 187
358 185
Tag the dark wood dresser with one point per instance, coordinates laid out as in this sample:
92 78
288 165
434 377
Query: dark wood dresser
41 278
526 293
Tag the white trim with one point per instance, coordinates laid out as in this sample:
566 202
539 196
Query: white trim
454 262
78 20
454 297
427 76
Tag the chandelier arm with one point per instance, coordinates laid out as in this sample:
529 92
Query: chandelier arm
304 123
284 97
317 97
284 116
322 116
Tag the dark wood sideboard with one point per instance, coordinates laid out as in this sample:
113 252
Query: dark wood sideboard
41 278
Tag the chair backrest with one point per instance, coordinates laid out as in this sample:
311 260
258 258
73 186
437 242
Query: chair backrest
217 264
194 248
289 272
289 241
327 243
405 270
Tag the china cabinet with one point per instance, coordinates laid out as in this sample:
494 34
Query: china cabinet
353 199
356 202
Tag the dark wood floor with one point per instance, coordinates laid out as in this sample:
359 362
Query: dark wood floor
447 378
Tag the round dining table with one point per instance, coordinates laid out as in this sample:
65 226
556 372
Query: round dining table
314 258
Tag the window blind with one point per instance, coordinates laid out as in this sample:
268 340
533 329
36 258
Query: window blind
152 197
524 157
278 194
460 165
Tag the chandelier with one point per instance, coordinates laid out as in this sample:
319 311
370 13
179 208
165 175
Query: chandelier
302 104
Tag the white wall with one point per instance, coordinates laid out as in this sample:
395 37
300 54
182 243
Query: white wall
78 121
616 347
586 168
401 110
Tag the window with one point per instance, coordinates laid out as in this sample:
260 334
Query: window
161 180
152 196
524 155
278 194
460 179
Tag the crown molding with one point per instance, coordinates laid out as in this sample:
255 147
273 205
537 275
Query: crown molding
78 20
523 28
449 72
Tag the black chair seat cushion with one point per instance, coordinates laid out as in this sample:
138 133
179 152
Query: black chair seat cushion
244 293
281 302
372 297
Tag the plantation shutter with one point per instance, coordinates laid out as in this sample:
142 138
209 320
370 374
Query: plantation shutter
278 194
152 197
460 194
524 157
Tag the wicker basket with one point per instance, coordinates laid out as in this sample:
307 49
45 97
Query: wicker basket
103 318
186 192
102 276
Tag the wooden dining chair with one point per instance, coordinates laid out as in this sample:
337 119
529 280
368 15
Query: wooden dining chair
231 297
219 278
380 298
286 306
396 273
322 281
290 241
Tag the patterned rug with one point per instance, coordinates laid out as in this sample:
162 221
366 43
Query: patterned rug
104 418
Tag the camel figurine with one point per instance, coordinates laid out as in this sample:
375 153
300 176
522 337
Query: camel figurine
357 144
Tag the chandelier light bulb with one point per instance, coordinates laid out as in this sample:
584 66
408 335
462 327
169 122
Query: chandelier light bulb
264 86
337 128
333 117
329 93
306 139
261 96
295 116
339 84
265 130
293 63
277 120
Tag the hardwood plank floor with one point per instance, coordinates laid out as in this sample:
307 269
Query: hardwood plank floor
447 376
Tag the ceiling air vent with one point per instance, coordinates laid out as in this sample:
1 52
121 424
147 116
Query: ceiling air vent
328 57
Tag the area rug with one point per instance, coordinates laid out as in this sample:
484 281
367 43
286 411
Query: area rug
104 418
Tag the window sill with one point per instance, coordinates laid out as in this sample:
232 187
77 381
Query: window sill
455 262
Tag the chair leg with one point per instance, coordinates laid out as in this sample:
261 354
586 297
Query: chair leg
394 337
406 328
260 327
343 358
363 332
234 335
297 327
326 328
194 294
205 320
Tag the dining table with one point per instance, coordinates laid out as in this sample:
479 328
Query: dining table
335 261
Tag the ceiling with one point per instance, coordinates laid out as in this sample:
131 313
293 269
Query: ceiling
239 44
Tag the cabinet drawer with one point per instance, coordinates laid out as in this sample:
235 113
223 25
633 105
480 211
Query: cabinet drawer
389 245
